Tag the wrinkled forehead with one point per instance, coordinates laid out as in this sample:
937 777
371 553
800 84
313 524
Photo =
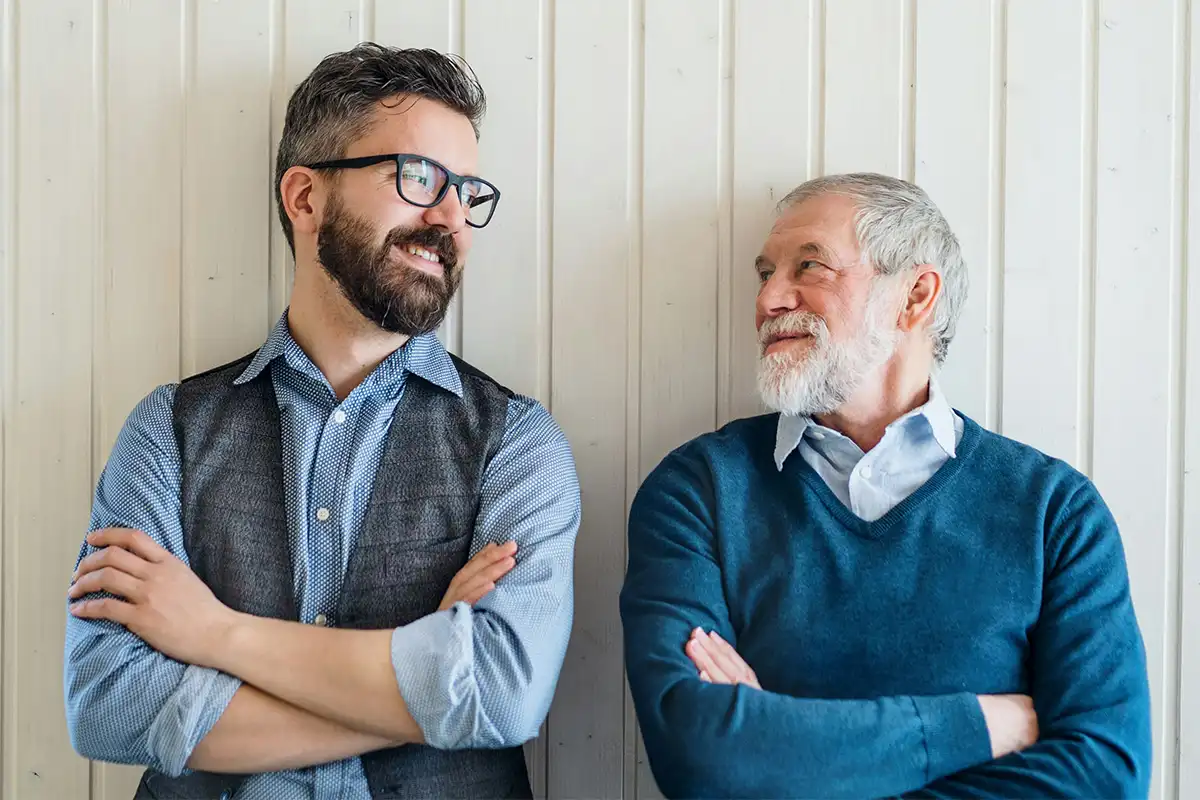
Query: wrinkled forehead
821 227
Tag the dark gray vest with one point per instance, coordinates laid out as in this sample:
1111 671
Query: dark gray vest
414 537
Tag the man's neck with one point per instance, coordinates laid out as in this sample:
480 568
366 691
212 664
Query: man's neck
898 387
343 345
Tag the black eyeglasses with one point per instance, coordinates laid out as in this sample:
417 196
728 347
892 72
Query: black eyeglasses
423 182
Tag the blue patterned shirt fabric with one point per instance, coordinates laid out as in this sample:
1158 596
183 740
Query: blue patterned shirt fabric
479 676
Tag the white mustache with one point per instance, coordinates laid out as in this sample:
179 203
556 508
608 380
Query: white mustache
797 323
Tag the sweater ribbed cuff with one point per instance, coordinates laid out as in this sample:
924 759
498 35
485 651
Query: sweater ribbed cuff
956 734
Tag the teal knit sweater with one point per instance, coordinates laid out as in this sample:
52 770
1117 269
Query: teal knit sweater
1004 573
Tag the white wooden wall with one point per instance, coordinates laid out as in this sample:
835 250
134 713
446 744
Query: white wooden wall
640 145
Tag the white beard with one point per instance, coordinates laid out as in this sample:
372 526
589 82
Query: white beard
826 375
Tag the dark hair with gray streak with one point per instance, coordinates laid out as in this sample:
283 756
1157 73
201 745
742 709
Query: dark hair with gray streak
335 104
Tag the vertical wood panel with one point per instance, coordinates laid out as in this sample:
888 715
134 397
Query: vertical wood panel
1177 401
304 32
228 197
591 247
635 169
505 321
414 23
8 309
1189 570
1134 262
957 129
1189 585
725 172
436 24
865 79
679 234
770 156
47 502
1049 165
139 267
679 240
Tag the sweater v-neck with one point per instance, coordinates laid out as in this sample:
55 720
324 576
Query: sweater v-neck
877 529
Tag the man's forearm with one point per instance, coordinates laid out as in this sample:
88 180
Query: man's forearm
261 733
1078 766
345 676
735 741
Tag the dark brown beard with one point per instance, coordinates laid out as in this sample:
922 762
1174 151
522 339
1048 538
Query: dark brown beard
394 296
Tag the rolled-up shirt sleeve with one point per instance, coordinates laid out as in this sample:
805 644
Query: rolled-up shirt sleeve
483 677
126 702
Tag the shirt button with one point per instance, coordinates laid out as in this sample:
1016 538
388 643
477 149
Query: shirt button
866 471
339 416
320 619
322 514
818 435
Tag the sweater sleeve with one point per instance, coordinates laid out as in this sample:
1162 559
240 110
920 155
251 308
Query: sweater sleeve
706 740
1089 682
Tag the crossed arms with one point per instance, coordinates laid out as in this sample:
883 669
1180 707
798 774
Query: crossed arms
716 734
169 678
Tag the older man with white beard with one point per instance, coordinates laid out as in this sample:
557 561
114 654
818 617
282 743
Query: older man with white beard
866 593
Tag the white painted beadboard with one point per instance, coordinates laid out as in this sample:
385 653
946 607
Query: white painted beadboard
641 145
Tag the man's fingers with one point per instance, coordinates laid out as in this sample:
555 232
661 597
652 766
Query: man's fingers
733 659
107 608
105 579
115 557
471 567
699 656
490 554
136 542
497 569
477 591
725 657
483 581
700 651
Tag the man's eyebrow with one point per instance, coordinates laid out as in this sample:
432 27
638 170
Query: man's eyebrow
808 249
819 250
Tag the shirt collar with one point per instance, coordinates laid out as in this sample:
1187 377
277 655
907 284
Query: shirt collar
423 355
936 412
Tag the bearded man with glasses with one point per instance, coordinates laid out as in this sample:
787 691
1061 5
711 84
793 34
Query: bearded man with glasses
341 565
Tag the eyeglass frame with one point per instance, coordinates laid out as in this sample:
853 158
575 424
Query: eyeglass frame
452 179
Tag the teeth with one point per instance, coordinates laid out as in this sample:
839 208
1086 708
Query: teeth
421 252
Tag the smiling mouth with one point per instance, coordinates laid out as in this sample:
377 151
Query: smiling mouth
423 259
421 252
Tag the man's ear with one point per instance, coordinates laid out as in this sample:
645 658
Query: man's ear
923 293
302 199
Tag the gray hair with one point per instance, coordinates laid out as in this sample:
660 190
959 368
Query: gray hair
898 228
335 105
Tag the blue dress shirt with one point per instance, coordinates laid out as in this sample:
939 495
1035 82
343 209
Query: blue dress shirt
913 448
471 677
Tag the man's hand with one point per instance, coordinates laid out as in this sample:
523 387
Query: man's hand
479 575
158 598
717 661
1011 722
